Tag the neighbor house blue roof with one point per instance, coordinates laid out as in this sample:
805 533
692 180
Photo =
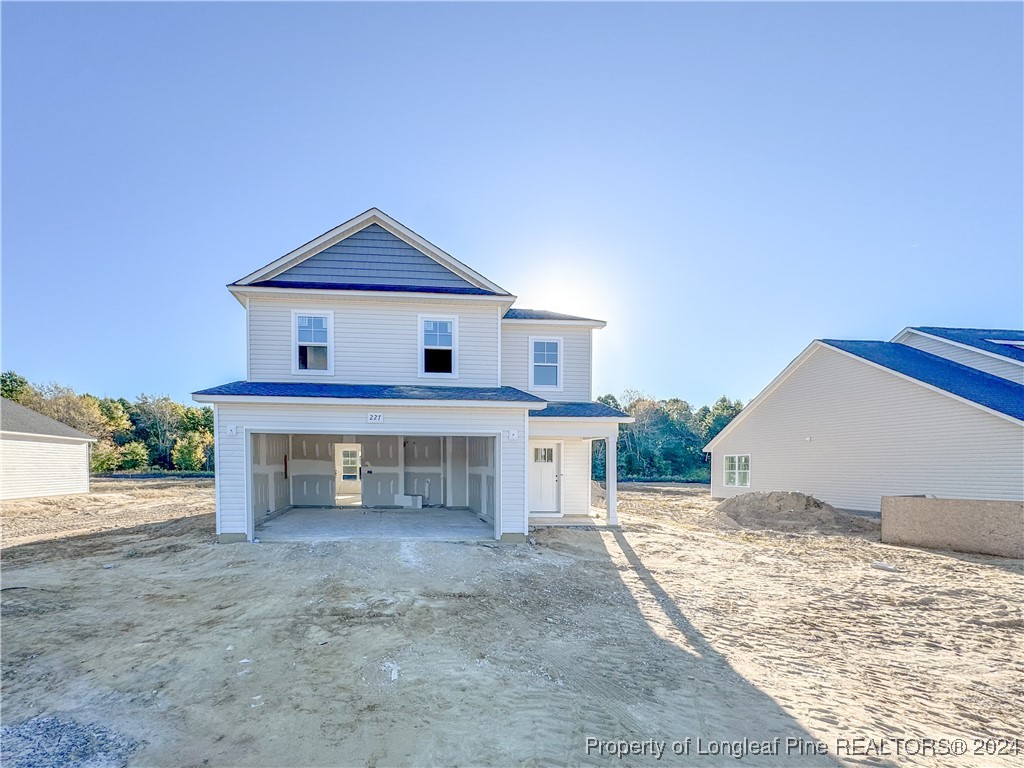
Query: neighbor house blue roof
580 411
369 391
979 339
969 383
543 314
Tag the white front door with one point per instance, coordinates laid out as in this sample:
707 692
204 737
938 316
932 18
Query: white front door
544 478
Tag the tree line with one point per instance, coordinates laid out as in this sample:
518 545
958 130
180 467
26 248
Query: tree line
149 432
666 441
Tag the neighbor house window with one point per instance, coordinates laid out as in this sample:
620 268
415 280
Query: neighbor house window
313 339
439 338
737 471
545 363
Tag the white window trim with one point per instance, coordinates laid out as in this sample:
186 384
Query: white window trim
326 313
725 462
420 346
561 363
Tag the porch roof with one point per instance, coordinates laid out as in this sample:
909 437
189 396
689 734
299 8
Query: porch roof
584 410
368 392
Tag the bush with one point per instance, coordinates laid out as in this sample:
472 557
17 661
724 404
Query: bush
189 452
104 457
134 455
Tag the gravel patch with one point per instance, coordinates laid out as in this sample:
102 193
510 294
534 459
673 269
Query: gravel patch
48 742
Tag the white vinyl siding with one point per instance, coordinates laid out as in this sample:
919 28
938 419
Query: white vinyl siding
375 342
983 362
38 466
574 358
351 420
871 434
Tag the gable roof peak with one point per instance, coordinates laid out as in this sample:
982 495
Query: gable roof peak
371 252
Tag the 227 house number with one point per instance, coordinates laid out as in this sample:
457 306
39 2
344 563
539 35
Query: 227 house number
374 418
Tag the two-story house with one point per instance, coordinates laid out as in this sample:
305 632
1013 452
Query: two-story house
382 372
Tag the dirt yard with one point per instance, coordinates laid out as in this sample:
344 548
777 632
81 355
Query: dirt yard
120 612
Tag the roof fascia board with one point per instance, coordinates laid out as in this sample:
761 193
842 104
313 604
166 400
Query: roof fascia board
531 321
765 393
57 438
239 291
579 419
363 401
902 334
350 227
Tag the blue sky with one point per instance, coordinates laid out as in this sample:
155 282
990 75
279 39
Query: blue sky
721 183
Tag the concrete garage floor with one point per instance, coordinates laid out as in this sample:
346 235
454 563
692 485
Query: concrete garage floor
333 524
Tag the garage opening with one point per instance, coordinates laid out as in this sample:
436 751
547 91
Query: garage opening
317 487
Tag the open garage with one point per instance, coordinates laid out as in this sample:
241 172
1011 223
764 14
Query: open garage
338 486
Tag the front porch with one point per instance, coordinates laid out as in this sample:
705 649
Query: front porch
341 523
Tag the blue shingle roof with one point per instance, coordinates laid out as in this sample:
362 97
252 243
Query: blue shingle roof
370 392
580 411
969 383
543 314
979 339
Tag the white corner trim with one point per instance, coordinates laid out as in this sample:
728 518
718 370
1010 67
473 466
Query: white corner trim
327 313
420 345
560 341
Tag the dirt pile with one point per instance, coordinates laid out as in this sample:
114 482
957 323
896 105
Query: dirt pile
788 512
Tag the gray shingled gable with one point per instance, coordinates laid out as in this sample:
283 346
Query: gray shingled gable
18 418
373 258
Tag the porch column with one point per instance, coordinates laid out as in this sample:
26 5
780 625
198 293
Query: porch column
611 464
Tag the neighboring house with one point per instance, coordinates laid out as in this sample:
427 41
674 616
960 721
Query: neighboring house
40 456
937 411
382 371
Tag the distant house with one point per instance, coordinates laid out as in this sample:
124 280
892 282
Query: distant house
382 372
936 411
40 456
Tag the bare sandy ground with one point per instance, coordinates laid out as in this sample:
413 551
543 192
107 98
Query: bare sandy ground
421 653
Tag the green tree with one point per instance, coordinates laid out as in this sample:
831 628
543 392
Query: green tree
104 456
157 422
718 417
196 419
189 452
116 417
16 388
134 455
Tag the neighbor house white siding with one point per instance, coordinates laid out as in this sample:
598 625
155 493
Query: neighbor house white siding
872 434
234 422
576 352
1005 369
375 342
40 466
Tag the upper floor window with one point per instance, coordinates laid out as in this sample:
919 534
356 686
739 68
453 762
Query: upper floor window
314 342
737 471
545 363
439 342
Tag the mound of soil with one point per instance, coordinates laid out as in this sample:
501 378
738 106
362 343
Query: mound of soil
788 512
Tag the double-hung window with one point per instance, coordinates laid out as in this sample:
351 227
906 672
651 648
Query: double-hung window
439 342
737 471
545 363
313 348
